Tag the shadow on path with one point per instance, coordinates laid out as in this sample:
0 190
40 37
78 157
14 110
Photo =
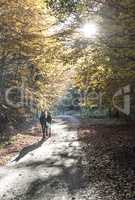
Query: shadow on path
62 176
56 171
28 149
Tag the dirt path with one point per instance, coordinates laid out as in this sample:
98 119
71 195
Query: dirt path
50 170
81 161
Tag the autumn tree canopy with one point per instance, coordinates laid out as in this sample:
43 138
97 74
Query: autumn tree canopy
28 57
43 48
105 63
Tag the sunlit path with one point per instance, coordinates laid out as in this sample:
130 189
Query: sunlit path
74 59
52 171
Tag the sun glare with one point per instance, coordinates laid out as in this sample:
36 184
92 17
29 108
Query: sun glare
89 30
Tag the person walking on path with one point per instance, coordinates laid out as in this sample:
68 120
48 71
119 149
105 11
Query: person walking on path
45 121
49 122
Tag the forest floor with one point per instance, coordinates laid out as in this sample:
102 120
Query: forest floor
110 158
83 160
17 142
